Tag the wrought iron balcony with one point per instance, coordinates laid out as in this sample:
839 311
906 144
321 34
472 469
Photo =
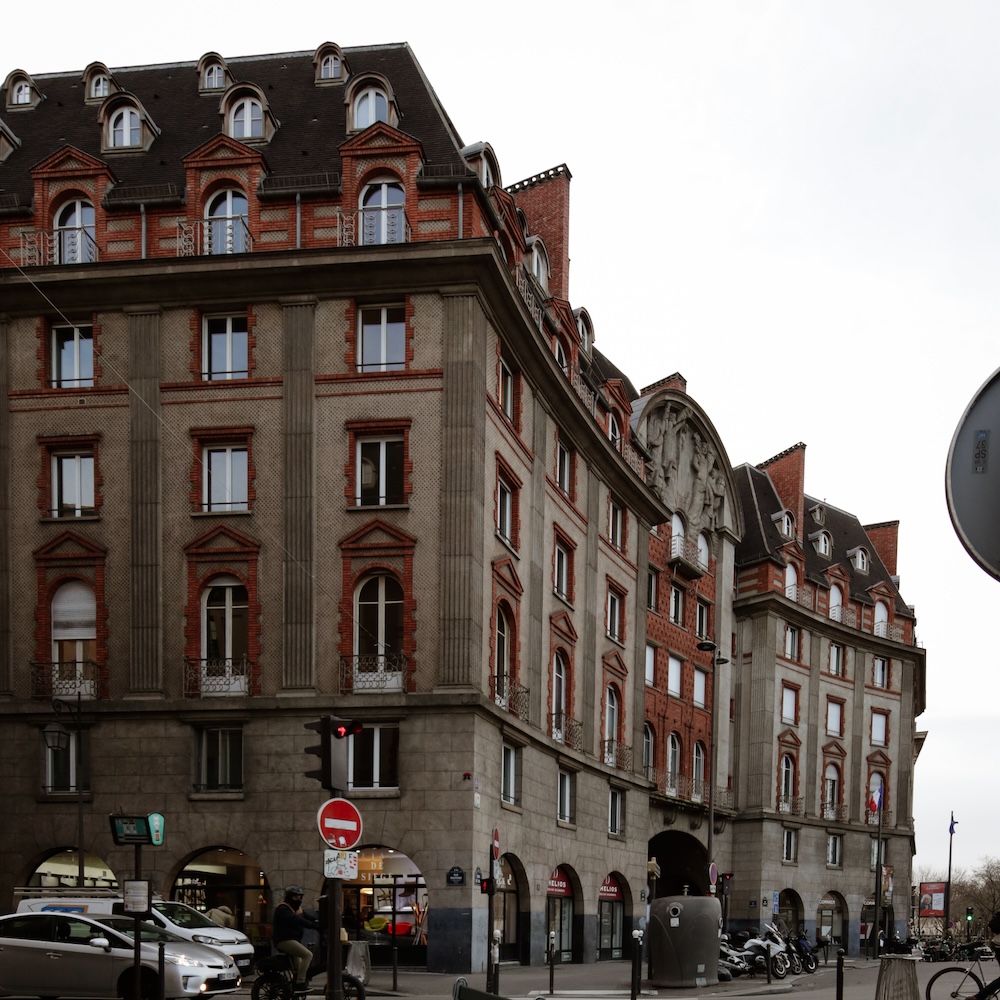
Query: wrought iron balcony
222 235
791 804
217 677
373 672
567 731
838 813
618 755
871 818
685 557
42 247
66 679
885 630
510 695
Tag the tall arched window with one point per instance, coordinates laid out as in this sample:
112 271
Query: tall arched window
227 230
676 536
214 77
648 750
787 782
378 633
247 119
370 106
22 92
125 129
611 725
74 640
383 218
698 773
501 685
791 582
99 86
831 791
882 619
836 603
703 550
614 432
75 243
559 697
225 637
876 796
673 763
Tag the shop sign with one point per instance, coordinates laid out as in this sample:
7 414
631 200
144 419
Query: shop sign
559 884
610 889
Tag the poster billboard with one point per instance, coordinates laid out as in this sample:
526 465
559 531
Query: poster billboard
931 899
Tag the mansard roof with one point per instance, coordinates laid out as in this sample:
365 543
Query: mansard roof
313 119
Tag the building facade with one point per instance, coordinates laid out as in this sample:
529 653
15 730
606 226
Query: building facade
301 421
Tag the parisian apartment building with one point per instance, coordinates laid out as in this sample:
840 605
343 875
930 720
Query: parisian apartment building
301 421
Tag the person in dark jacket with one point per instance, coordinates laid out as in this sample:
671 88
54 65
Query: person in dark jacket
286 933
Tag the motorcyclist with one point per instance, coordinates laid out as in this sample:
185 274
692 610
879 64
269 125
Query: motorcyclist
286 933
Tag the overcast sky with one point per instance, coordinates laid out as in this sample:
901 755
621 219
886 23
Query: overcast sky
791 203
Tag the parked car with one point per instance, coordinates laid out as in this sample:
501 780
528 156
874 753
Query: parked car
178 918
69 954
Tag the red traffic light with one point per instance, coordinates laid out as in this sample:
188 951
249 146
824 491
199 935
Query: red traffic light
486 887
342 728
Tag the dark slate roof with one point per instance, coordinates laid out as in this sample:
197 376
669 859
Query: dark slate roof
762 540
606 369
313 119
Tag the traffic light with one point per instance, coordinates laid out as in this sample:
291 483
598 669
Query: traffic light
968 914
486 887
727 878
332 770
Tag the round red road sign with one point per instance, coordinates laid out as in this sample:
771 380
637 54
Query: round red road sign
496 844
339 823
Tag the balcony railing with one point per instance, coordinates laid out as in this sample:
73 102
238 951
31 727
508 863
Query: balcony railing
838 813
801 595
220 676
373 672
791 804
223 235
42 247
582 389
618 755
845 615
871 818
65 679
885 630
531 300
567 731
684 553
683 786
510 695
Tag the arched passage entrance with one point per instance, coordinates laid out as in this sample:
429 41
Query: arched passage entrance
60 869
683 865
832 919
790 910
512 911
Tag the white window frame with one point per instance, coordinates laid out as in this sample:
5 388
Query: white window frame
564 468
674 676
650 665
616 524
700 688
384 756
880 728
234 334
789 704
648 751
509 770
838 656
834 718
386 674
329 67
881 672
22 92
831 791
215 78
122 135
247 110
225 673
614 431
789 845
698 761
367 109
565 797
562 571
382 206
560 675
73 484
673 763
76 232
652 589
73 345
676 605
376 453
385 360
505 389
234 469
702 620
615 626
505 510
616 812
792 640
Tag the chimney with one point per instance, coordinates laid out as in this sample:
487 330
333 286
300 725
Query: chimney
885 538
544 199
788 474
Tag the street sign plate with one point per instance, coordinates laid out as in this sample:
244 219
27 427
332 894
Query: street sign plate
339 824
340 864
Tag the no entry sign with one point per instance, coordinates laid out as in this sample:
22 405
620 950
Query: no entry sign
339 824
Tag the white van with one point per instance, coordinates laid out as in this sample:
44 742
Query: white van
176 917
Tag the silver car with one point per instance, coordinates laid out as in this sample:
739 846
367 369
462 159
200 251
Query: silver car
69 954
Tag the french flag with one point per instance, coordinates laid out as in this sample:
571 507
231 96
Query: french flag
875 802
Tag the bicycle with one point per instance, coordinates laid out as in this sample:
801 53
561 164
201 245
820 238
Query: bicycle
958 983
276 980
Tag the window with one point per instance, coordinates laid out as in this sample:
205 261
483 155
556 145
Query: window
247 118
100 86
383 218
676 536
227 230
791 642
74 640
225 348
505 511
220 760
787 783
836 604
831 791
616 624
701 620
700 688
880 672
674 676
225 477
561 359
125 128
790 845
564 468
677 605
505 389
861 560
509 768
836 659
379 472
881 619
703 550
880 728
650 665
382 339
791 582
614 432
559 679
789 704
329 67
373 757
22 92
502 683
648 747
563 579
225 637
652 589
565 797
879 850
616 812
834 718
73 485
616 521
370 106
698 772
539 261
673 763
823 543
214 77
66 769
75 233
786 524
378 633
611 723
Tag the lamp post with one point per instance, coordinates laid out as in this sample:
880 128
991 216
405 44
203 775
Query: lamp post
707 646
57 738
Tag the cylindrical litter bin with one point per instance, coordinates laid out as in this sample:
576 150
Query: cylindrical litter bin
683 938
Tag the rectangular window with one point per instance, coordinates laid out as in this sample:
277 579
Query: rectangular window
64 768
834 718
565 797
73 485
789 704
505 511
505 390
382 339
700 687
563 571
220 760
225 484
509 767
564 468
790 845
225 348
379 473
880 672
677 605
880 728
72 357
791 642
836 659
701 623
373 757
616 529
616 627
616 812
652 589
650 665
834 850
674 677
875 852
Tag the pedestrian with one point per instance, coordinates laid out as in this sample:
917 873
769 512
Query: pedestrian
221 915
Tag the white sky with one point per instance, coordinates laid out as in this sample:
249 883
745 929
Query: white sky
791 203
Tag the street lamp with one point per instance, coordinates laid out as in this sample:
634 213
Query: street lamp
707 646
57 738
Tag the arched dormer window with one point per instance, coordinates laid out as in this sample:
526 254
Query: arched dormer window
330 65
227 230
214 78
246 120
125 125
785 523
585 330
98 83
483 161
100 87
20 91
614 431
125 130
859 557
213 75
562 357
370 100
383 213
538 261
246 114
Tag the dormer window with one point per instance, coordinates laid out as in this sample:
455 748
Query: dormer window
214 78
22 92
212 73
329 67
247 119
329 64
562 359
614 432
821 542
125 124
539 261
125 129
585 330
818 513
19 91
859 558
100 87
370 106
785 523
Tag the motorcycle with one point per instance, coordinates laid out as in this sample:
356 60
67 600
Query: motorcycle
734 962
806 952
771 947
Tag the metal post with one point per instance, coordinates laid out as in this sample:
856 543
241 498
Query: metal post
840 974
636 961
552 962
334 948
496 963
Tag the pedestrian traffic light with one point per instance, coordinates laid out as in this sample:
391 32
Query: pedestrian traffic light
332 770
968 914
486 887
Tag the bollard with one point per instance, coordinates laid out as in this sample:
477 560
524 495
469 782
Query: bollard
496 963
636 961
552 962
840 974
161 971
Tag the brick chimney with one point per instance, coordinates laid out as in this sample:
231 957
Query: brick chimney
788 474
885 538
544 199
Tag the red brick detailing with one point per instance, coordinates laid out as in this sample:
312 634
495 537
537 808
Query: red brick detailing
196 324
676 381
507 591
788 745
545 200
505 472
788 474
569 547
358 429
885 538
80 443
203 437
562 639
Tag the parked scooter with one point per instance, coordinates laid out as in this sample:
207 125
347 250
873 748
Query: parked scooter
768 948
806 952
733 961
